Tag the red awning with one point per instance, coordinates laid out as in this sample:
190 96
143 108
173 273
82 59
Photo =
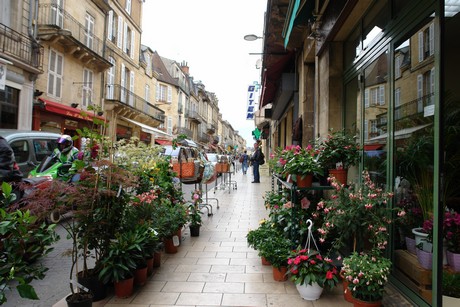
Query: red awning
372 147
63 109
163 142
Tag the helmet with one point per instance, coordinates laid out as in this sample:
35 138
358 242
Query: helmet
65 143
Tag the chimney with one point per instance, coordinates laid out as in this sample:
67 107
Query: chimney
184 68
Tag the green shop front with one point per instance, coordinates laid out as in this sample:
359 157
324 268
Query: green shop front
402 94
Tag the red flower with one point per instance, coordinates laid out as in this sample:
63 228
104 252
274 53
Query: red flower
329 275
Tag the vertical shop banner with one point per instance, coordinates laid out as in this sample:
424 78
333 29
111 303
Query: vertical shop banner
252 89
2 76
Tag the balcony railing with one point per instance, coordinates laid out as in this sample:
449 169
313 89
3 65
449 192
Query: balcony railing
193 115
20 47
211 128
412 109
186 131
115 92
52 17
203 137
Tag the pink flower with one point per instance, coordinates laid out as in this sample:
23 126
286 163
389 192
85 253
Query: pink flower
355 281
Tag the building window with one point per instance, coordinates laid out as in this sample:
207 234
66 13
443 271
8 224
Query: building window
89 30
147 98
113 28
170 128
398 67
164 93
426 43
57 16
111 79
128 6
9 102
87 91
55 69
148 63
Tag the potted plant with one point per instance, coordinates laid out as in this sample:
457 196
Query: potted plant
256 237
357 217
367 275
452 236
23 240
450 289
195 213
119 263
311 272
410 218
338 152
302 164
275 249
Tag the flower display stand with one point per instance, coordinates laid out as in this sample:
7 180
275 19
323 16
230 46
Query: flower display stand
409 271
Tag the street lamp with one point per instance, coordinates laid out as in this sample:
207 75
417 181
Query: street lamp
251 37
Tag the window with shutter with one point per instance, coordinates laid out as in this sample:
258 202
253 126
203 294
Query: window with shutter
420 93
366 98
128 6
132 45
89 30
131 88
55 70
381 95
87 90
110 79
123 90
120 32
110 26
169 94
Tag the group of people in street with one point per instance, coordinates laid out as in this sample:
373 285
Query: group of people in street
255 160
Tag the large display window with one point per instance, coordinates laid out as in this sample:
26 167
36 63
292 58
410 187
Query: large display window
403 99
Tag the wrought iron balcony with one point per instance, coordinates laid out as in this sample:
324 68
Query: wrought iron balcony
20 49
193 116
203 137
410 110
186 131
211 128
56 25
122 96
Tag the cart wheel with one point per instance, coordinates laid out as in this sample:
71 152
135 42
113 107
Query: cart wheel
210 214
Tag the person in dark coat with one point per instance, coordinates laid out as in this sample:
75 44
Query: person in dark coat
255 161
9 169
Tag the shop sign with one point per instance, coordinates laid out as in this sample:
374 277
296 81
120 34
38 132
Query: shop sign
71 123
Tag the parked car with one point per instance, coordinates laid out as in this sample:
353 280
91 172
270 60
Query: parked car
30 147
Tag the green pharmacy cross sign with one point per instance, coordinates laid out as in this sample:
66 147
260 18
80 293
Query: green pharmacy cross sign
256 133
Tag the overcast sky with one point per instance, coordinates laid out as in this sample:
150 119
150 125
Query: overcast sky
208 35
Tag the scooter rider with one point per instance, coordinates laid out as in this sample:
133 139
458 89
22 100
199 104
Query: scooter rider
66 152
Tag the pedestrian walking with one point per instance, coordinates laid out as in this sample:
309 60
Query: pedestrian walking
244 162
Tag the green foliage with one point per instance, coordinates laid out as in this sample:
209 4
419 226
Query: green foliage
22 242
119 261
367 275
300 161
194 208
451 284
361 214
275 248
339 146
308 266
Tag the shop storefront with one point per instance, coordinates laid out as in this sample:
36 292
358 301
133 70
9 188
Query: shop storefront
59 118
401 96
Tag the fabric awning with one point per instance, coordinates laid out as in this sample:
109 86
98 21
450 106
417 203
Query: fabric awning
372 147
298 13
59 108
163 142
146 128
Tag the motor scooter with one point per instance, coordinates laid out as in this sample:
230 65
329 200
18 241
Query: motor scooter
51 168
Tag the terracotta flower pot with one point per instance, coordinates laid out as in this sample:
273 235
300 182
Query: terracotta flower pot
170 248
340 174
359 303
140 276
304 182
279 274
124 288
346 292
149 266
265 261
156 259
